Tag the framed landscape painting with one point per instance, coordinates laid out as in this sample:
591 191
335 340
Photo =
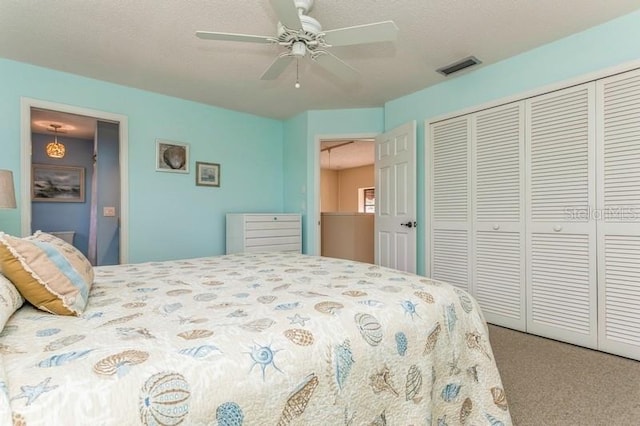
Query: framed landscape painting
207 174
60 184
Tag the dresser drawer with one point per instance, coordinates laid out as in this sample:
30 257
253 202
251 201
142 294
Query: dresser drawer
271 241
295 247
272 232
255 226
276 218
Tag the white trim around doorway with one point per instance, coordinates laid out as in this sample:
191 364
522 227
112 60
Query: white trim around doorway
315 230
25 162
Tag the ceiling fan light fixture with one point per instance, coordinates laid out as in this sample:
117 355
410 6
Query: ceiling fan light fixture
298 49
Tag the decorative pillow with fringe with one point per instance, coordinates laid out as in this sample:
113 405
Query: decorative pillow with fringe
48 272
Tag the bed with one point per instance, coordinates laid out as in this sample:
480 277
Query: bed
252 339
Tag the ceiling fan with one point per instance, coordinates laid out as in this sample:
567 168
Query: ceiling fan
302 35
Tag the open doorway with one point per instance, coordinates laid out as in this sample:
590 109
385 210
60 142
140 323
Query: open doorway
73 177
347 198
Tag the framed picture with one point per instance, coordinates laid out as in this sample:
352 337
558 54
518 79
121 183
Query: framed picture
60 184
172 156
207 174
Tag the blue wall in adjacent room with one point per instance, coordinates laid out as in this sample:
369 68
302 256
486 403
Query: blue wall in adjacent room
55 216
108 184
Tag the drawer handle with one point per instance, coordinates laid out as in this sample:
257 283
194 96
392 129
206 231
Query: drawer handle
496 227
557 228
275 218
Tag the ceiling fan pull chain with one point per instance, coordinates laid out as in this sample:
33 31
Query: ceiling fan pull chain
297 85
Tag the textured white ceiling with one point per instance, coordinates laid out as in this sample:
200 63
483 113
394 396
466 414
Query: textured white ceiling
151 45
346 154
71 125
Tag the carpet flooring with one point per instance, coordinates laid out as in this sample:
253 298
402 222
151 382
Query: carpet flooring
553 383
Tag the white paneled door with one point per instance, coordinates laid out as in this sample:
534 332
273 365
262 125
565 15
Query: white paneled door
395 174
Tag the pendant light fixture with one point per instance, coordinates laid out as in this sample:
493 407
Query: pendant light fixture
55 149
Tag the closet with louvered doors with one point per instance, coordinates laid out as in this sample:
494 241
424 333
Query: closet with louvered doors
476 175
561 231
534 208
618 214
520 209
498 271
450 203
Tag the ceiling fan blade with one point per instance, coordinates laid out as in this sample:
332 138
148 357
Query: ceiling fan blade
287 13
361 34
208 35
336 66
276 68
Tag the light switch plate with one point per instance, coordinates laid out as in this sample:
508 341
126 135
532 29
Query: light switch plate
108 211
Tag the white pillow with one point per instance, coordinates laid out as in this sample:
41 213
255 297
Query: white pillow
10 300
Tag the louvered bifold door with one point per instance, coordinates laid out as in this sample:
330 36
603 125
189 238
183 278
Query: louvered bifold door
498 211
561 230
449 201
619 214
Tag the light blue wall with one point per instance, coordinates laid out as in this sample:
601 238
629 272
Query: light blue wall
301 157
170 217
607 45
295 168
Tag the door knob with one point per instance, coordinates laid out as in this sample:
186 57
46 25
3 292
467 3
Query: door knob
409 224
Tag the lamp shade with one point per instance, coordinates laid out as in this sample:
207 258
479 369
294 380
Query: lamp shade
7 194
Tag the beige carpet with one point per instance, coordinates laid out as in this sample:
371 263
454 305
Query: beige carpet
553 383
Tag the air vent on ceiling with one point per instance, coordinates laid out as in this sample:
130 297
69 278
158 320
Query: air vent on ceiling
459 65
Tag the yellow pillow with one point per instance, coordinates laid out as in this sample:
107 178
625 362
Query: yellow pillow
50 273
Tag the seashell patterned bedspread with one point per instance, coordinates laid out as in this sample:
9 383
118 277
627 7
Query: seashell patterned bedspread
255 339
